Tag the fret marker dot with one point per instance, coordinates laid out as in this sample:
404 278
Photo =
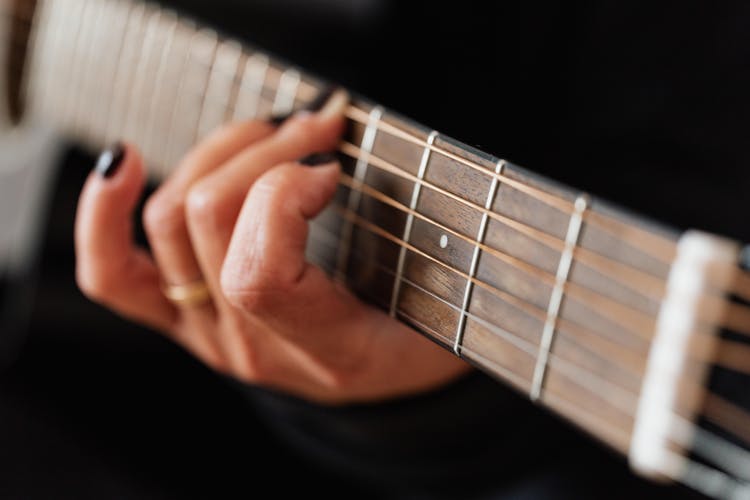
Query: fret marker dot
443 241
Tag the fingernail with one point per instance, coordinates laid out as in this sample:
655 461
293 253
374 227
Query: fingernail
330 102
335 104
318 159
110 160
321 99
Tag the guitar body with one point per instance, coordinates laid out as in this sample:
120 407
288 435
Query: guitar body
553 291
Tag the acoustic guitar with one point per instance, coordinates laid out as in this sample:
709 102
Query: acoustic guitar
613 321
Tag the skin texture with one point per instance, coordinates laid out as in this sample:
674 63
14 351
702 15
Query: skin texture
235 214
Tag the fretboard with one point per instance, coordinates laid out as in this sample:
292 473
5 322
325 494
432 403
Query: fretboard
546 288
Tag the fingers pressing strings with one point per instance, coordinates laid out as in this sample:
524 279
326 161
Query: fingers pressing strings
214 202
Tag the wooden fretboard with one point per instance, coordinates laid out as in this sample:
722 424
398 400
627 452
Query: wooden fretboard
544 287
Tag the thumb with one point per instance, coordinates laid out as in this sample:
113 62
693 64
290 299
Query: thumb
104 216
109 267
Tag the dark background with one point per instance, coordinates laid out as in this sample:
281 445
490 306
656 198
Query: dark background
643 103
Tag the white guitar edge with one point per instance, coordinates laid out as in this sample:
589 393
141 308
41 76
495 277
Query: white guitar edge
698 254
5 34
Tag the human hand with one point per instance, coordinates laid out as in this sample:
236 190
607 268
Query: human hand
234 215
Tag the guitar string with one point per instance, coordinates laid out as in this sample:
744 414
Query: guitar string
646 321
663 251
509 375
527 267
525 344
719 416
643 283
736 319
567 325
611 304
584 255
742 363
574 289
573 286
708 443
713 447
28 16
647 285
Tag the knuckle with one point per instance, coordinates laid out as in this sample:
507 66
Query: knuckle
303 130
163 213
274 185
203 204
336 381
256 372
256 293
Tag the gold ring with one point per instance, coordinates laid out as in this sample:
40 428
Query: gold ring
190 295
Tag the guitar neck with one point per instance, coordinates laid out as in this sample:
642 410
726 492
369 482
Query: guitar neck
542 286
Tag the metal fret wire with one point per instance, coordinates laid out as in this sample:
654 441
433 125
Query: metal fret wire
142 77
123 78
87 50
665 245
91 118
563 268
286 92
717 449
571 370
375 161
409 221
360 171
251 86
158 94
592 381
475 259
211 39
511 182
213 113
176 134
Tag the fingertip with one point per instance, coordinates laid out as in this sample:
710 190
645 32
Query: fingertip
322 180
113 187
329 173
118 167
109 160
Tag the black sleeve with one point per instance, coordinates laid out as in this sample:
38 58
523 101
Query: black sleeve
452 442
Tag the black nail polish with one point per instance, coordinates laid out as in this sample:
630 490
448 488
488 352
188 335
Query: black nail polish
321 99
109 161
318 159
279 119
